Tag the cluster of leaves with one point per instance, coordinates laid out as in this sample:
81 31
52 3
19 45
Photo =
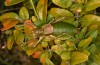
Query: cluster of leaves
70 29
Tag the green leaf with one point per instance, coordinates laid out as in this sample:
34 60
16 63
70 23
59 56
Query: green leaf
23 13
85 42
90 19
12 2
63 3
92 48
82 33
92 5
66 55
8 15
42 9
63 27
93 33
10 41
78 57
59 13
18 36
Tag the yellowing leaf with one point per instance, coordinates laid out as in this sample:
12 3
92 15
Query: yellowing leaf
92 5
8 15
78 57
9 23
85 42
90 19
31 50
45 55
10 41
42 9
60 13
23 13
63 3
12 2
18 36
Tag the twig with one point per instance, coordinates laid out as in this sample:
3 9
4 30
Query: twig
34 9
9 10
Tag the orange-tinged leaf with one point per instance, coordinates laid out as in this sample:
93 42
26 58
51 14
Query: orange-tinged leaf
45 55
29 27
9 23
42 9
10 41
36 54
31 50
12 2
32 42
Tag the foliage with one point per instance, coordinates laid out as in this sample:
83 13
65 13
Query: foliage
67 28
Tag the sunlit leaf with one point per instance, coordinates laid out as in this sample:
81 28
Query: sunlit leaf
78 57
92 5
60 13
63 3
66 55
18 36
23 13
9 23
85 42
90 19
10 41
34 19
42 9
12 2
8 15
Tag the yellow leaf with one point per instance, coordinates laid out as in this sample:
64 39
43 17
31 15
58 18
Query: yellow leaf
61 13
78 57
42 9
10 41
8 15
85 42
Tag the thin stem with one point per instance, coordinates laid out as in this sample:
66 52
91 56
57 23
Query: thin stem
9 10
34 9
